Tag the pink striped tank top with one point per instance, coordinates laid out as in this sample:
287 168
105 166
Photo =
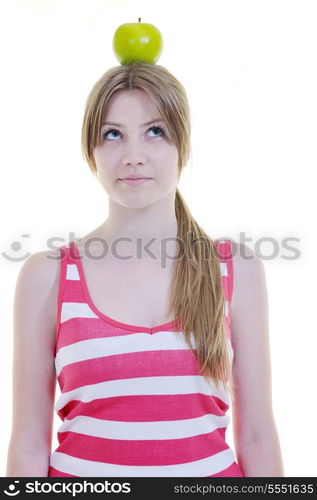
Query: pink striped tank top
132 400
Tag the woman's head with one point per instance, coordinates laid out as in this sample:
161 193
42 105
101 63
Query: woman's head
132 95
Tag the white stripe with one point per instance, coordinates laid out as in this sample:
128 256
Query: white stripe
158 430
223 269
122 344
183 384
76 310
226 307
87 468
72 272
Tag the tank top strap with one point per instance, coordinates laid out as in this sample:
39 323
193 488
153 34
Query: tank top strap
224 254
224 249
69 290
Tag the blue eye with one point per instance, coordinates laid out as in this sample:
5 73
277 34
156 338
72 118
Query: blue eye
154 127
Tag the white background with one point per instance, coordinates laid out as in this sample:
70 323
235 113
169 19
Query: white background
249 68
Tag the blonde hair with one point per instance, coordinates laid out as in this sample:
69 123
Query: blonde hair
197 298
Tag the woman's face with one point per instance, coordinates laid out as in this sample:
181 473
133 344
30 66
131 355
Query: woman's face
135 148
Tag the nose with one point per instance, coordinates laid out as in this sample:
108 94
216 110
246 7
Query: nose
134 154
132 161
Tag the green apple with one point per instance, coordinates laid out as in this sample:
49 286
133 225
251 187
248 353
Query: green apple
137 42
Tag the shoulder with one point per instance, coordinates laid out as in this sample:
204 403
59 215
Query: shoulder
248 271
246 266
40 267
38 280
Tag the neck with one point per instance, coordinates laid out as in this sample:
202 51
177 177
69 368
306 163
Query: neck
132 228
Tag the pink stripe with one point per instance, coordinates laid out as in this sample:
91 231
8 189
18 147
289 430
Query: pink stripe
78 329
143 453
146 408
136 364
73 292
224 250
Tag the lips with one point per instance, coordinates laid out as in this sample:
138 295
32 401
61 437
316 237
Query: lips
136 182
133 178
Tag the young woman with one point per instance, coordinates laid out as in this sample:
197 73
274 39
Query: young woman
151 328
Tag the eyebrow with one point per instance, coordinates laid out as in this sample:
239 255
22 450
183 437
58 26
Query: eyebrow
143 125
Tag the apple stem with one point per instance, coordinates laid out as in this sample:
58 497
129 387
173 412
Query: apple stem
139 19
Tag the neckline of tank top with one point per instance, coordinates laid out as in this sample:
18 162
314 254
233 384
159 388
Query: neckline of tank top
108 319
127 326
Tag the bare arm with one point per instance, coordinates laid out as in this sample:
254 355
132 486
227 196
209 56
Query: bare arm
255 434
33 371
